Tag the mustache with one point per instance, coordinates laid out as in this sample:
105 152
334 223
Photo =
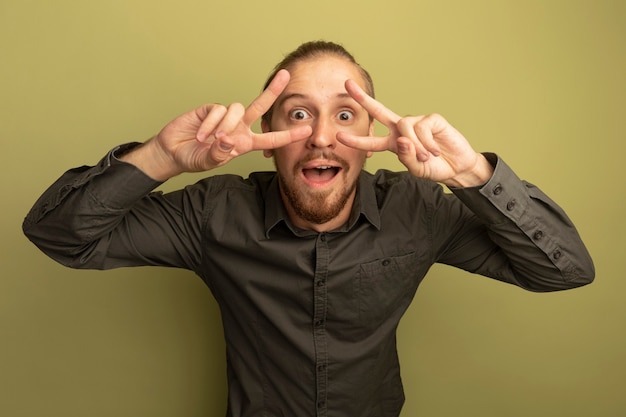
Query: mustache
325 155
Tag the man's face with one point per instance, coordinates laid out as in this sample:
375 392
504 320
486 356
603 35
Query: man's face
318 176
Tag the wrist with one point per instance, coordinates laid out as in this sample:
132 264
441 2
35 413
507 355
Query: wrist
152 160
478 175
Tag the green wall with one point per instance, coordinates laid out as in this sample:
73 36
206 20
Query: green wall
540 82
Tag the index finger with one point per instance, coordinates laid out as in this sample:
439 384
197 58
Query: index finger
266 99
374 107
278 139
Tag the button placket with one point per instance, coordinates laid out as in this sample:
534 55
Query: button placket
320 301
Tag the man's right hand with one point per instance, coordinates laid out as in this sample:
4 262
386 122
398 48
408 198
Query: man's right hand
211 135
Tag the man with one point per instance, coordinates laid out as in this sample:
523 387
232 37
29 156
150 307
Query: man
312 266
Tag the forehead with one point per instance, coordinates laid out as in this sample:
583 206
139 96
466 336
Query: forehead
322 75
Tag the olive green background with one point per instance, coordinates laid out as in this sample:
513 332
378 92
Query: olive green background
540 82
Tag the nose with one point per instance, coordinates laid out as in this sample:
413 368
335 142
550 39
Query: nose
324 135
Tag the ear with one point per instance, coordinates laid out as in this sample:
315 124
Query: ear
268 153
264 126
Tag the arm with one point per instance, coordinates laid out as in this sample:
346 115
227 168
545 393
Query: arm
528 241
105 217
101 217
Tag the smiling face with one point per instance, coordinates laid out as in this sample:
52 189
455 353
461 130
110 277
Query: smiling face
318 176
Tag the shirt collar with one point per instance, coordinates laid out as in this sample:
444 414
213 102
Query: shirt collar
365 204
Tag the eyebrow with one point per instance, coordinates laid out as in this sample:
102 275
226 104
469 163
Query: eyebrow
304 96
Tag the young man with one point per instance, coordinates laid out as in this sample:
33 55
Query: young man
313 266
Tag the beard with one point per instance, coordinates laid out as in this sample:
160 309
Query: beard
317 206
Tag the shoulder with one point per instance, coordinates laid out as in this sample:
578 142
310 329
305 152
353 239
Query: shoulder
400 192
229 183
384 182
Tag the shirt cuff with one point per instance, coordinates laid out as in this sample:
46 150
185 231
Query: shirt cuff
503 197
118 184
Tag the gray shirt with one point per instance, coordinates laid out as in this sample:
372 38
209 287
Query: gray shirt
310 318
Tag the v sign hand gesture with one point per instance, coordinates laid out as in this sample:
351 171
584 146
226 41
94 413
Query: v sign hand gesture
427 145
211 135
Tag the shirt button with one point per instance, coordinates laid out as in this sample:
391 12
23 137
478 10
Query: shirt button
511 205
321 404
320 283
497 190
321 368
319 323
538 235
386 262
557 254
323 238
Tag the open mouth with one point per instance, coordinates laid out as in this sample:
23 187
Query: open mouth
322 173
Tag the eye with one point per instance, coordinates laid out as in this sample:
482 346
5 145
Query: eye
345 116
299 114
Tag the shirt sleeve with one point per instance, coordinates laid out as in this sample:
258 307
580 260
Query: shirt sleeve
108 216
536 245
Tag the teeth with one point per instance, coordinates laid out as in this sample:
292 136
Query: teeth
325 167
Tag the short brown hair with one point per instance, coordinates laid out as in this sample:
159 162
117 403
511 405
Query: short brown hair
315 49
